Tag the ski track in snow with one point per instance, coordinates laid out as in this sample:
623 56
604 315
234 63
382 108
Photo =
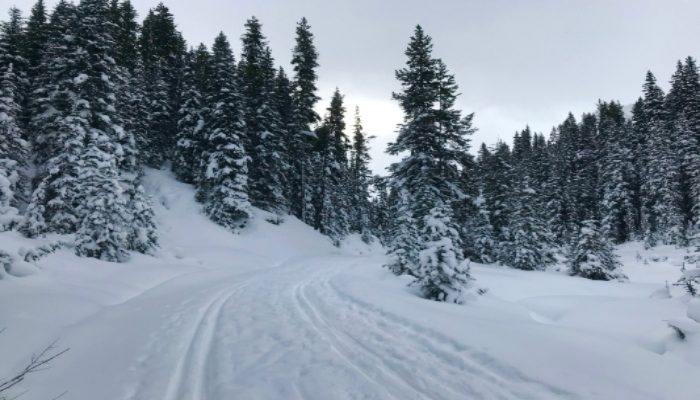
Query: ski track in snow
289 332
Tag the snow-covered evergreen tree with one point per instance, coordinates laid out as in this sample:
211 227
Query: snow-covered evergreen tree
57 145
329 178
143 233
497 187
13 147
162 49
304 99
616 171
432 140
592 256
224 187
360 180
104 230
683 105
442 274
36 36
191 125
528 245
662 215
264 141
403 240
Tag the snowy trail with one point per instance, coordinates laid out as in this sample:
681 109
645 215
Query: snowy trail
283 332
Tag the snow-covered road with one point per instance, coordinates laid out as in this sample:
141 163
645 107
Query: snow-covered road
285 331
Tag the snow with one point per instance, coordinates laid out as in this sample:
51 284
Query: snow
277 312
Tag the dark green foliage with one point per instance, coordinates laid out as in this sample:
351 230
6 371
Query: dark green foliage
432 140
223 187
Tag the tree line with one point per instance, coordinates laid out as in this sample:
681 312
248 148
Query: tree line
609 177
90 96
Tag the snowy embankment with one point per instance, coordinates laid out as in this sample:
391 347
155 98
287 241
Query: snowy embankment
278 313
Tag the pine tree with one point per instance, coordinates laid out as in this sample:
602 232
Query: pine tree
484 242
13 147
330 174
683 105
304 98
663 220
360 180
191 126
86 183
36 37
497 187
529 245
103 231
57 144
162 49
142 236
380 209
441 272
264 140
403 241
616 170
433 138
637 142
592 256
224 187
284 107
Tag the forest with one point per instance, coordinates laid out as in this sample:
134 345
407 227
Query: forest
90 96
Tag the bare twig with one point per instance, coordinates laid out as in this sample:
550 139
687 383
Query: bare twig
38 362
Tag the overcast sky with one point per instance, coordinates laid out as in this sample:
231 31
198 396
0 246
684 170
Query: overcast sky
517 62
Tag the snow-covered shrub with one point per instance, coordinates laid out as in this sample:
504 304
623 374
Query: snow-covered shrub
441 274
42 251
9 179
690 281
592 256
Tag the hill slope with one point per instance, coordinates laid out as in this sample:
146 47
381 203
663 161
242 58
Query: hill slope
278 313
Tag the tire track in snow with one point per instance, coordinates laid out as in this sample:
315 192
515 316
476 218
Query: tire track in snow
458 362
326 334
190 375
383 358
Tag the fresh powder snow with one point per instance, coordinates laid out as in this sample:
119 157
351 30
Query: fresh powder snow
278 312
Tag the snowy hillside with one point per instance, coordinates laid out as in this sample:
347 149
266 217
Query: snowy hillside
277 312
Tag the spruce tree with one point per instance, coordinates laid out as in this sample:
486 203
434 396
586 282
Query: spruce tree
380 209
592 256
663 220
224 186
432 140
304 98
440 270
162 49
103 231
191 126
497 188
683 105
637 141
264 131
57 144
616 170
330 173
402 236
284 107
529 245
37 36
360 180
13 147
